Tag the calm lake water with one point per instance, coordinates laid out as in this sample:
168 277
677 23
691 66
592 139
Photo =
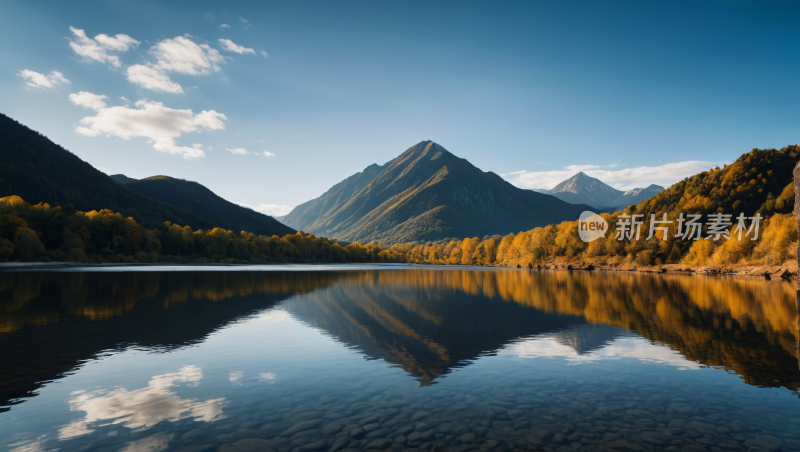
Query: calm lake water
395 358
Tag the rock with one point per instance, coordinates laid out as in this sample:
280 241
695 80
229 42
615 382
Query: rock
491 443
339 443
317 445
693 448
413 449
404 430
766 441
306 434
421 427
381 443
654 438
676 423
248 445
611 436
419 415
327 399
371 427
237 435
333 427
680 407
357 433
466 438
542 435
566 449
380 433
738 426
515 413
415 436
703 426
400 439
368 420
300 426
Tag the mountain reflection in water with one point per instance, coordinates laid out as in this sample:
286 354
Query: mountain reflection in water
428 322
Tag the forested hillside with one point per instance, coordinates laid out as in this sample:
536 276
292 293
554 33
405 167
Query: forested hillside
200 200
38 170
759 182
44 233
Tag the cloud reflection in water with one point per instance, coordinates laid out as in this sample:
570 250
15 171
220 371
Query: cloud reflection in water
142 408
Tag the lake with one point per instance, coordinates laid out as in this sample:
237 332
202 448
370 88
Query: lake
395 358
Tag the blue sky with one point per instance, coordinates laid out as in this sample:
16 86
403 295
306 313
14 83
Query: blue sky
631 92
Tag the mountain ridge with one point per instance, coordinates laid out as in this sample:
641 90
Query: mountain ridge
584 189
428 193
197 198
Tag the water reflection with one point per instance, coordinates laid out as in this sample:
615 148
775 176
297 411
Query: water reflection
428 322
141 408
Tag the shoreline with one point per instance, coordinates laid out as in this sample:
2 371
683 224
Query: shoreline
776 273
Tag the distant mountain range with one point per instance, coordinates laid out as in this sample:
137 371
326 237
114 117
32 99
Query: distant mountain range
200 200
583 189
425 194
38 170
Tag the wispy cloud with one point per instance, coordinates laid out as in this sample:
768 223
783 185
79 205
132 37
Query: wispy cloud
241 151
265 54
622 179
268 154
224 26
98 48
48 81
230 46
152 120
275 210
180 55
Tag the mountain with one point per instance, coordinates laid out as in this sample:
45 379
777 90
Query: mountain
583 189
200 200
636 195
122 179
38 170
426 193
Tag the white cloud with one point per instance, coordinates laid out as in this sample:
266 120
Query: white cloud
621 179
97 48
37 80
265 54
88 100
184 56
243 19
151 78
208 15
276 210
152 120
126 100
268 154
230 46
181 55
241 151
224 26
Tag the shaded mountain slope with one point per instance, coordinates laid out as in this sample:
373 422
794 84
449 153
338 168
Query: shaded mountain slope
427 193
198 199
122 179
307 212
38 170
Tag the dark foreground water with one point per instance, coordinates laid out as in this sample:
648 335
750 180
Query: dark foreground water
395 359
